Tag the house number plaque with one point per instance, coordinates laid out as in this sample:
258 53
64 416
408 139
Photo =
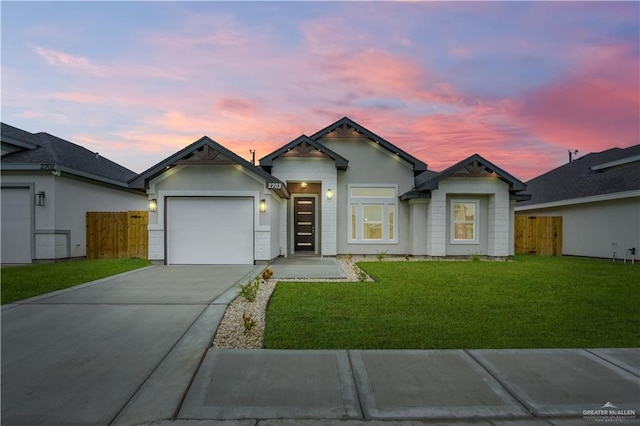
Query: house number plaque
274 185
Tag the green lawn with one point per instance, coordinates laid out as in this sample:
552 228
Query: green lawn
532 302
21 282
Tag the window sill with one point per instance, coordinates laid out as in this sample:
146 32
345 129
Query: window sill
372 242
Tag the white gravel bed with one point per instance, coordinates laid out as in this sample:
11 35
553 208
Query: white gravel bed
231 331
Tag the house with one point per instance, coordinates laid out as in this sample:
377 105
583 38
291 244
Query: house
341 190
598 198
48 185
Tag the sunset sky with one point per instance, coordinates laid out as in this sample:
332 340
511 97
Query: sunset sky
520 83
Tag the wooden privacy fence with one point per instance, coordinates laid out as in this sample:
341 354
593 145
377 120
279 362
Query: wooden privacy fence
117 235
541 235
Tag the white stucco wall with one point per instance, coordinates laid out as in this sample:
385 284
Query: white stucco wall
496 222
216 181
597 228
60 225
370 164
321 170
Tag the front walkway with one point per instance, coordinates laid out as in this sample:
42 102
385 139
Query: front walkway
304 267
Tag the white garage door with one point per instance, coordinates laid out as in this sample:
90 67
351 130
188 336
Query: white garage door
16 225
209 230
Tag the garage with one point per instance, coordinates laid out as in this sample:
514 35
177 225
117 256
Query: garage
16 225
210 230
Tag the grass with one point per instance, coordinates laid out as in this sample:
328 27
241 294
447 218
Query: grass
22 282
533 302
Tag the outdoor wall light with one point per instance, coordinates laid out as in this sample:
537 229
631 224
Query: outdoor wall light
153 205
40 198
263 206
329 194
303 185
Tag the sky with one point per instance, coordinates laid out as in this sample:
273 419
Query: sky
519 83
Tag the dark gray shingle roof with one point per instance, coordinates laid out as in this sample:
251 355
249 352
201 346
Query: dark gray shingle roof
578 180
53 150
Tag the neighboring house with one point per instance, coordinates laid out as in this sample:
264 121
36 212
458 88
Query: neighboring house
341 190
48 185
598 198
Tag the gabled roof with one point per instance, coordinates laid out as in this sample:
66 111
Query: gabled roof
205 151
304 142
418 166
18 137
600 173
474 165
59 154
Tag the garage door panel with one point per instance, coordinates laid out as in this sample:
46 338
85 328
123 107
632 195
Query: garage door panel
16 225
210 230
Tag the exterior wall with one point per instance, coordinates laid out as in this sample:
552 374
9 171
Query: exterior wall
495 221
60 225
274 204
370 164
321 170
418 226
597 229
212 181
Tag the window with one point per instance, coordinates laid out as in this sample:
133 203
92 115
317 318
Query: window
372 213
464 221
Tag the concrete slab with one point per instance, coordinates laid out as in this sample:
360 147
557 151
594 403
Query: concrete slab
161 394
160 285
415 422
79 364
428 385
272 384
625 358
561 382
293 267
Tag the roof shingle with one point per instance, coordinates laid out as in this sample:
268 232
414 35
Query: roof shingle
577 180
53 150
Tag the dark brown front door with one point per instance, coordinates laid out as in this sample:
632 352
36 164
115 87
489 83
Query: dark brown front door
304 223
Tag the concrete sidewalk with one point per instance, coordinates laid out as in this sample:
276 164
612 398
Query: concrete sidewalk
542 386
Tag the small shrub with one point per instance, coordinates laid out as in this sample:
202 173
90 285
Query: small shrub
248 322
250 290
381 255
266 274
475 257
348 256
407 257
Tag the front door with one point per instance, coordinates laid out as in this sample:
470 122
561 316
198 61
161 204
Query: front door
304 223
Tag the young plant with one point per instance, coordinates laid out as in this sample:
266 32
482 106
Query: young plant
266 274
348 256
362 275
475 257
248 322
250 290
381 255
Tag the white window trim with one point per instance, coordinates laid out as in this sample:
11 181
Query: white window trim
476 222
360 201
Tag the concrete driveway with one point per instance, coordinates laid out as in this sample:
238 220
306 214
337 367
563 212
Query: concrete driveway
82 355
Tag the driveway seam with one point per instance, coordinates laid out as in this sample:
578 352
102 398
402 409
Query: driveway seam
155 368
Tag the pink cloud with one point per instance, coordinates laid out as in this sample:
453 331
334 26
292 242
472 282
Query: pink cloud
595 107
69 61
